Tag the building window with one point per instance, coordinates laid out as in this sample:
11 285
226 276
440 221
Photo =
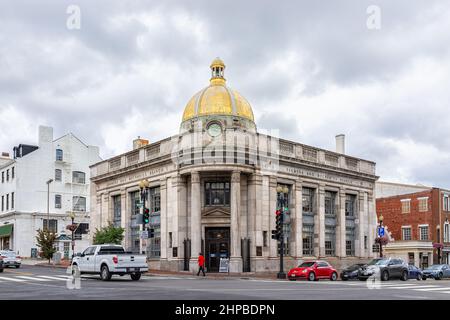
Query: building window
52 226
406 233
308 200
217 193
423 204
154 248
59 155
3 176
330 236
12 173
135 200
83 228
365 242
446 203
7 202
350 205
350 241
406 206
79 203
423 232
7 175
3 203
330 203
446 232
117 208
308 240
57 201
78 177
58 175
170 239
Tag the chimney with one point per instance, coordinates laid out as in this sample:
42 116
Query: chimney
45 135
5 155
340 143
138 143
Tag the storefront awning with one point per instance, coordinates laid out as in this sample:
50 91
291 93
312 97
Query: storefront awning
5 231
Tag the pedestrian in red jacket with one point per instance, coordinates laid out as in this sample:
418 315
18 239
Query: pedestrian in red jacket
201 264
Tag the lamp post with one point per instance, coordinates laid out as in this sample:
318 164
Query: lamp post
380 219
143 186
282 206
72 216
48 203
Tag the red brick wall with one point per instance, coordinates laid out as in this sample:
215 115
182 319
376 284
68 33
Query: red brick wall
394 219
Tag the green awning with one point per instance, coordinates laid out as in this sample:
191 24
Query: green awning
5 231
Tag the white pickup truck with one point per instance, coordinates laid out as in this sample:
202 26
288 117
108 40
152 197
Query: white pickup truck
109 259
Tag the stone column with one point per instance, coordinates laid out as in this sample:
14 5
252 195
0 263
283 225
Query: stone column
125 218
371 223
236 258
321 220
196 234
258 222
361 226
342 234
252 200
272 218
182 214
298 220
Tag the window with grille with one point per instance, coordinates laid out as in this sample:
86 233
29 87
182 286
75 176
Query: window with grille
406 233
154 246
350 241
308 198
446 232
58 175
406 206
423 231
135 200
52 225
446 203
330 203
117 207
78 177
423 204
217 193
57 201
79 204
350 205
308 240
329 241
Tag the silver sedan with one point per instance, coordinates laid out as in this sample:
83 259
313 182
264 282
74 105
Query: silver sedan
10 259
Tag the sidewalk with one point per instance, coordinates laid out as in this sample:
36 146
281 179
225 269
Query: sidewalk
44 263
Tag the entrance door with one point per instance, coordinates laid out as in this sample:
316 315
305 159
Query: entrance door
217 246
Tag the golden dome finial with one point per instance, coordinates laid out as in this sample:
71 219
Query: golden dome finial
217 69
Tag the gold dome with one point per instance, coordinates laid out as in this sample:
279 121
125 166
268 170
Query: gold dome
217 98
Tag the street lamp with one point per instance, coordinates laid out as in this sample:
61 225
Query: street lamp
48 203
72 216
282 192
380 219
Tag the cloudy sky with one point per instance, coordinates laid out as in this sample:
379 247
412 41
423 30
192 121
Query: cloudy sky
312 71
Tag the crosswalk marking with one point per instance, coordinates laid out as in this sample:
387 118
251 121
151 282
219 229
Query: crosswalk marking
31 278
12 279
432 289
411 287
54 278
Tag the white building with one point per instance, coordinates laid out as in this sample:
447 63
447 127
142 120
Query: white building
24 193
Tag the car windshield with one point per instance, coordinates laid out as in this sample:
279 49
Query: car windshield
8 254
435 267
306 264
378 262
354 267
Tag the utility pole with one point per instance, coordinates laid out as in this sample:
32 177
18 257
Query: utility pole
48 203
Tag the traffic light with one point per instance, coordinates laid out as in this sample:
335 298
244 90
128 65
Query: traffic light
151 233
276 234
146 216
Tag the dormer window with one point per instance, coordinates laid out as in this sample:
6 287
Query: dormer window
59 155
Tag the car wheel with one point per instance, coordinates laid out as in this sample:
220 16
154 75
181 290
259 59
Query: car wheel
439 277
385 276
333 276
1 270
18 266
312 276
404 276
362 279
344 279
419 277
135 276
105 274
424 278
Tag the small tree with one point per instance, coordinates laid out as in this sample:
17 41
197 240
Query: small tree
109 234
46 241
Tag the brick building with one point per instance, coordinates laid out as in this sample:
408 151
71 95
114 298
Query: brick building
418 223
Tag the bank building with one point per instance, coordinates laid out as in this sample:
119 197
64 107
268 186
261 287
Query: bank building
215 187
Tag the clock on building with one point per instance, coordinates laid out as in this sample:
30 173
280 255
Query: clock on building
214 129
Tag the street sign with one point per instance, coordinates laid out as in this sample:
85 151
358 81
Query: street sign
224 265
144 234
380 231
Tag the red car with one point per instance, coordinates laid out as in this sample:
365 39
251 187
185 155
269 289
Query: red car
313 271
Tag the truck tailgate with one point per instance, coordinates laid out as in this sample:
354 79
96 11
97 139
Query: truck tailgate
127 260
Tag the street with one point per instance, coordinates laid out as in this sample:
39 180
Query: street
36 282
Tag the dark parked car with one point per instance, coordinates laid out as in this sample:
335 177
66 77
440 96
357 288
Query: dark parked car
1 264
437 272
415 273
385 268
351 272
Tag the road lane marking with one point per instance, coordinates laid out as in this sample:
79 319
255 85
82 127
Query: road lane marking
12 279
411 287
31 278
52 278
432 289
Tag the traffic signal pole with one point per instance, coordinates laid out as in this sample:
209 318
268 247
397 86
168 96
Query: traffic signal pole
281 274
